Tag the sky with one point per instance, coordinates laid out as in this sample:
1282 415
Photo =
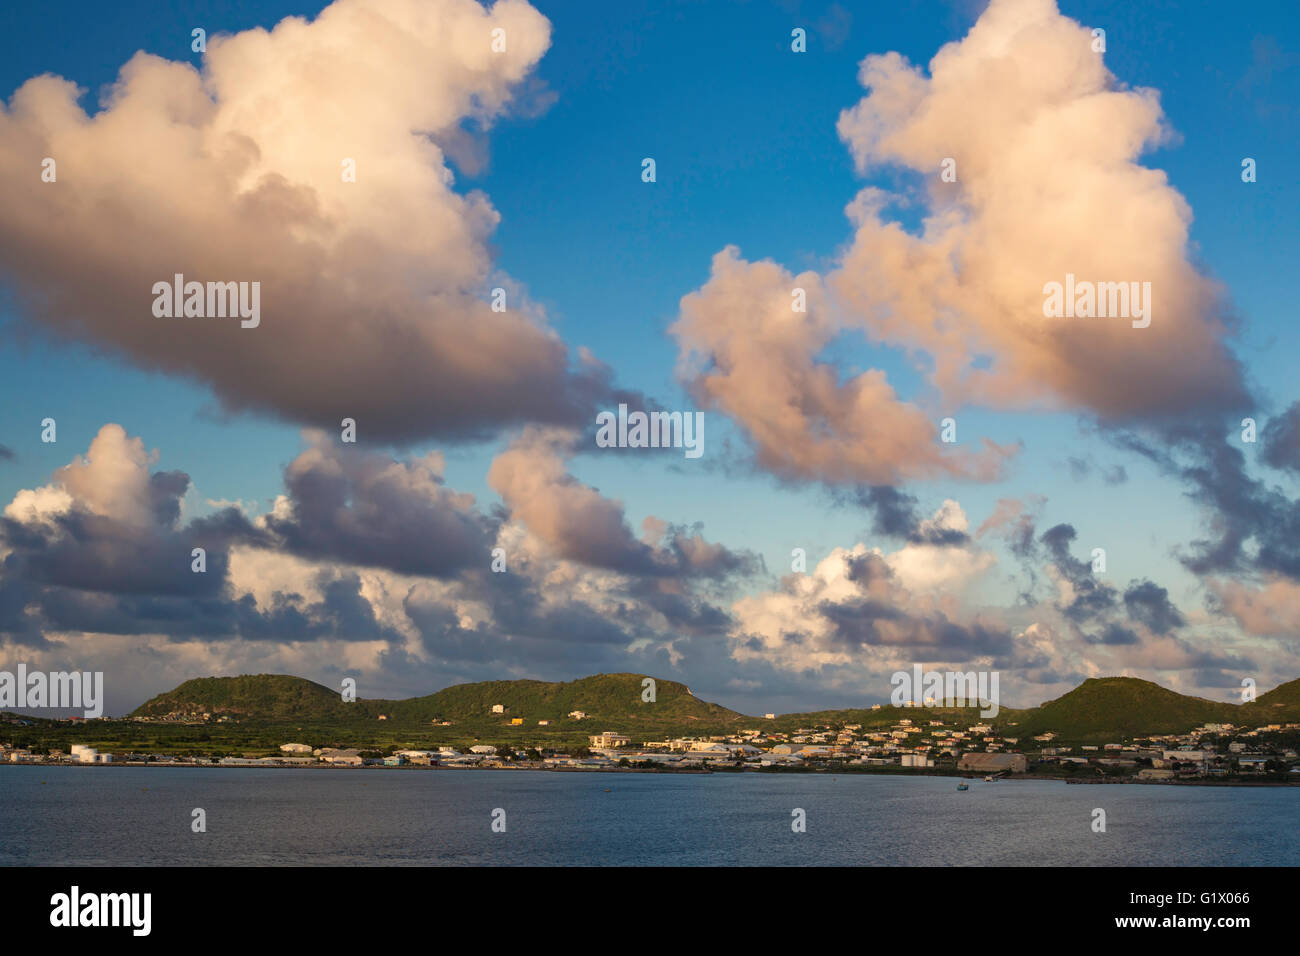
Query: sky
1112 157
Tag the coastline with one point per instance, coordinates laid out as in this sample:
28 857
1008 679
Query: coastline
1019 778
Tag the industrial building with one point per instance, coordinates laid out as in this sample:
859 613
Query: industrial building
993 763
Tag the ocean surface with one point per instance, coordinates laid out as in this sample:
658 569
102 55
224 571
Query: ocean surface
87 816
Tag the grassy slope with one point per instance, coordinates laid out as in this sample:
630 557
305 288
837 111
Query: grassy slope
602 697
1283 695
1113 707
274 708
267 696
609 697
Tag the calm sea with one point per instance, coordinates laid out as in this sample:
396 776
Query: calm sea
127 816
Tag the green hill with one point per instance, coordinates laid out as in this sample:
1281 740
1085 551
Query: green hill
262 696
1099 710
610 697
1282 703
1114 707
602 697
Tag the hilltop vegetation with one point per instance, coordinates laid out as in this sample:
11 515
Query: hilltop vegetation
1124 707
609 697
264 710
261 696
1099 707
1282 696
602 697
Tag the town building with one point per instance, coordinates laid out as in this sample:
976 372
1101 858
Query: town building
1150 773
985 763
340 757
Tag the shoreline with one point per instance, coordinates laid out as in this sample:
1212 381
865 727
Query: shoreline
686 771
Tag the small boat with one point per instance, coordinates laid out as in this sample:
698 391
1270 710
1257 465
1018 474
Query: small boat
988 779
963 785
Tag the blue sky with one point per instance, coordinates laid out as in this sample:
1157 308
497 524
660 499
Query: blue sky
744 137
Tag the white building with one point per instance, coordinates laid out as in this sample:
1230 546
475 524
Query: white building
721 751
498 708
776 760
654 757
348 757
578 714
1191 756
610 739
295 748
460 760
83 754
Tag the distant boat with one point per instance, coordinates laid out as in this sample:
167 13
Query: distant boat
963 785
988 779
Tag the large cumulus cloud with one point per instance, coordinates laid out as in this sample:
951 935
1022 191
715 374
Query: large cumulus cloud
348 505
102 549
747 352
374 293
580 524
371 560
870 611
1047 144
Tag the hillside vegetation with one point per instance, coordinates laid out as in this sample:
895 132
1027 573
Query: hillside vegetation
1100 709
609 697
602 697
1124 707
1282 696
261 696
